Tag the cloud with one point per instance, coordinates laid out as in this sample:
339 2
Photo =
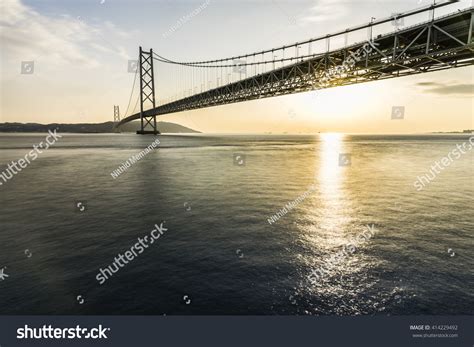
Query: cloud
324 10
63 40
448 88
427 84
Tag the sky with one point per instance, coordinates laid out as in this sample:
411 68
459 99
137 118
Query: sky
81 50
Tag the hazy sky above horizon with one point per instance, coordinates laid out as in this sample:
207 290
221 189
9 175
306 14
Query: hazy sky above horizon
81 50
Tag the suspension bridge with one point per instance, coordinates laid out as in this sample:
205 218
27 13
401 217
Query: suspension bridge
323 62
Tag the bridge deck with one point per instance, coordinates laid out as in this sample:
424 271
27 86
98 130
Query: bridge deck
444 43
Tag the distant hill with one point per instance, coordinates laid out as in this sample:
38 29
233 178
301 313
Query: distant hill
163 127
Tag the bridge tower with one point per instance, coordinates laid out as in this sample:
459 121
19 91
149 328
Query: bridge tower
147 92
116 117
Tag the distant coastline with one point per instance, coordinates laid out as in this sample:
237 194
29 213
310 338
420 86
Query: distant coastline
132 127
89 128
468 131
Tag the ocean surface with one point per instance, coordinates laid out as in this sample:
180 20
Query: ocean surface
64 217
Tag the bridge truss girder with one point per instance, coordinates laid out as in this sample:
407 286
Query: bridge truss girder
439 44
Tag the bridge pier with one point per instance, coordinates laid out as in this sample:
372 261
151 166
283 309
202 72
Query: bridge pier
148 132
